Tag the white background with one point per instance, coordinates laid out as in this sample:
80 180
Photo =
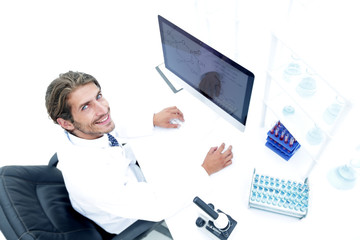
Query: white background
118 42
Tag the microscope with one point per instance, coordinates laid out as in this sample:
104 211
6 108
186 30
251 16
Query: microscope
220 224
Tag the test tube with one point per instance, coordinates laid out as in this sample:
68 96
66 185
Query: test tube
276 132
253 196
258 197
281 202
292 205
305 200
292 140
273 129
275 201
303 208
286 204
298 198
282 194
282 135
286 139
277 183
287 196
264 198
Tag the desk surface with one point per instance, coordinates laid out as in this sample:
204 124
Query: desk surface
332 212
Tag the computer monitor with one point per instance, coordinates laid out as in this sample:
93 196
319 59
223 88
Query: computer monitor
219 82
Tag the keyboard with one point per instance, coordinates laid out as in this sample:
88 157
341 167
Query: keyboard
281 196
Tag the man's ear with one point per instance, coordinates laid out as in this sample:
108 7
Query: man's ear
66 124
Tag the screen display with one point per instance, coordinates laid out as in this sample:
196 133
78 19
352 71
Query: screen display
216 77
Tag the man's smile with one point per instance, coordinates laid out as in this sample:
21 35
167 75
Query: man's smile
104 120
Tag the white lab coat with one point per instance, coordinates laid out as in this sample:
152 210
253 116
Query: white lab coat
102 187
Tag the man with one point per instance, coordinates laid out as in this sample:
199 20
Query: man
103 181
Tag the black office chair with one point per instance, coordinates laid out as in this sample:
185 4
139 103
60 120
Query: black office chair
34 205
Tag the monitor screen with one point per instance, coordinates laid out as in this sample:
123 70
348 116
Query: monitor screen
226 84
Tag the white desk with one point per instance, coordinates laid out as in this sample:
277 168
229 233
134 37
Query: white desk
332 213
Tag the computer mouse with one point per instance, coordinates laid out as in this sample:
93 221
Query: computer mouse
176 121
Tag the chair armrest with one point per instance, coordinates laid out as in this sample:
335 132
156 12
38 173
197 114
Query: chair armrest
53 161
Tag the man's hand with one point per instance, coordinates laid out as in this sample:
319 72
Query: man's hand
163 118
216 159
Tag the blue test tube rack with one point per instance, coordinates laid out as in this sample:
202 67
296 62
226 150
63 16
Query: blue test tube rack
280 140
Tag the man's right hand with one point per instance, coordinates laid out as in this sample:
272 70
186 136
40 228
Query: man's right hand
216 159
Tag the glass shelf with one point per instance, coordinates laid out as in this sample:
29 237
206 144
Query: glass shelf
309 107
323 107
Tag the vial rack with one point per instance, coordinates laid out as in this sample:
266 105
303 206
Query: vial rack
280 140
277 195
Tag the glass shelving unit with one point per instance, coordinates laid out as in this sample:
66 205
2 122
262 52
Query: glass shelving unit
307 104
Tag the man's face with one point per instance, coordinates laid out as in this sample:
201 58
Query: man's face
90 111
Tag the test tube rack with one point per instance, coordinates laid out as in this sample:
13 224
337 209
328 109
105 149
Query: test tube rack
280 140
285 197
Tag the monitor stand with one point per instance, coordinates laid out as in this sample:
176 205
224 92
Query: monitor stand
160 68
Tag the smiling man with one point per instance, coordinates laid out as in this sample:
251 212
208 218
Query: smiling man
100 171
91 111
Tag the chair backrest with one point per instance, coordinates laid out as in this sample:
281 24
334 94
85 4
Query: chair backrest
34 205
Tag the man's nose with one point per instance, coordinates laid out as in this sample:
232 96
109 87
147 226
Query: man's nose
101 108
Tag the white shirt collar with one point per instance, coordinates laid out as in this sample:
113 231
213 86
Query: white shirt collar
102 142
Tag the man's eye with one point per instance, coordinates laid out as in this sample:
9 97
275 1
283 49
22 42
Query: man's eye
99 96
84 107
